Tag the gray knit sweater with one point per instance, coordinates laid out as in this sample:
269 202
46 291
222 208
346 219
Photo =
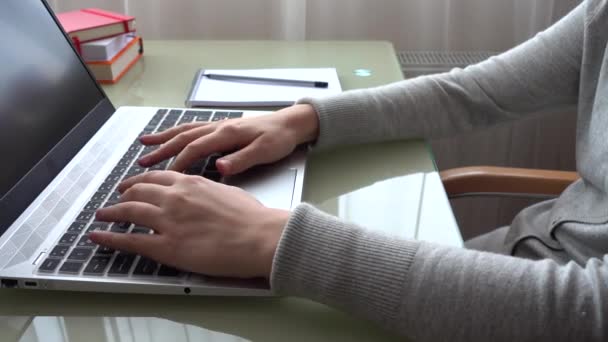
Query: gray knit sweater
550 281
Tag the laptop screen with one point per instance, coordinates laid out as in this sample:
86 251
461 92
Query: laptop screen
45 90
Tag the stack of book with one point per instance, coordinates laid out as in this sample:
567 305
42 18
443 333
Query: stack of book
107 41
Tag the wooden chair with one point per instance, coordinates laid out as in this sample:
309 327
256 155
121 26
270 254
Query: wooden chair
489 180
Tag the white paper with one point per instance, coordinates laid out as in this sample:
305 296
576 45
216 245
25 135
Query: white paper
213 92
105 49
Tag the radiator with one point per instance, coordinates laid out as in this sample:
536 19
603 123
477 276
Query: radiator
416 63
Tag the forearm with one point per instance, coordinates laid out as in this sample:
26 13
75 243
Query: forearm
539 74
435 293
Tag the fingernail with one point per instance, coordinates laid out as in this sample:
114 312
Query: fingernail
99 213
96 235
224 165
120 187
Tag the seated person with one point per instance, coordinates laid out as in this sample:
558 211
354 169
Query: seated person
543 278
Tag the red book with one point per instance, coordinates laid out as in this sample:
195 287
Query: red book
91 24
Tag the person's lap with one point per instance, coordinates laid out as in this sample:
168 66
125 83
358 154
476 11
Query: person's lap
489 242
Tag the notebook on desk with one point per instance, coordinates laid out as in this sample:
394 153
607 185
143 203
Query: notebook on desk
260 87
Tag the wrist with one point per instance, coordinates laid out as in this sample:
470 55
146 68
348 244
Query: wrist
302 119
269 237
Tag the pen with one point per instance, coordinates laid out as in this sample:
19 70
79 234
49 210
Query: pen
281 81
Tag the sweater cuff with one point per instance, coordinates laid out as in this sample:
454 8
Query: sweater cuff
340 264
338 123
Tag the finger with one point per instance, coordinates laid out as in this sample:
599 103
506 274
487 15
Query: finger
241 160
165 178
174 146
140 213
144 244
161 137
202 147
145 192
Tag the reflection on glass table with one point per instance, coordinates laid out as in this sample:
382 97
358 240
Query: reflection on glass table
117 329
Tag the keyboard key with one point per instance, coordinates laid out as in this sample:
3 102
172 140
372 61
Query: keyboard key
168 123
49 265
199 114
106 187
77 227
68 239
119 170
131 154
97 265
217 116
122 264
135 170
92 206
114 197
104 251
158 166
120 227
150 128
86 242
71 267
59 251
125 162
80 254
113 178
185 119
85 216
196 168
160 113
234 115
140 230
135 147
174 113
99 196
165 125
100 226
109 204
169 120
145 266
148 149
168 271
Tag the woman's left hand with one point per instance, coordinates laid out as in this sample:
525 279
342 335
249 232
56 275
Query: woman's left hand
199 225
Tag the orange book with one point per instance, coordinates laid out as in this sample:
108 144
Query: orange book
91 24
111 71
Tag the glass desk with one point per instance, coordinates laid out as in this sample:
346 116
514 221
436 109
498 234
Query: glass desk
391 186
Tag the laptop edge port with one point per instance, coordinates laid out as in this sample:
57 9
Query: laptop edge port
9 283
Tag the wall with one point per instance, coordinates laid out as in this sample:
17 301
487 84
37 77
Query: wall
410 24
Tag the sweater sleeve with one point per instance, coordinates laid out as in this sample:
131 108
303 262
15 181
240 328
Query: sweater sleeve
437 293
540 73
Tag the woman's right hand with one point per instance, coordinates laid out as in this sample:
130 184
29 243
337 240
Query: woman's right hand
252 140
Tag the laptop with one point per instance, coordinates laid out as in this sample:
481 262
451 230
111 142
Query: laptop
65 148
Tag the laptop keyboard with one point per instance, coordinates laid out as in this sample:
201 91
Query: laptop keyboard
76 254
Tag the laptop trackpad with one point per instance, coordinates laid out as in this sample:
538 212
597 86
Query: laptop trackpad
270 185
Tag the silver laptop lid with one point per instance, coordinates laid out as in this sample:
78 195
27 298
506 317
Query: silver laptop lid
50 104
